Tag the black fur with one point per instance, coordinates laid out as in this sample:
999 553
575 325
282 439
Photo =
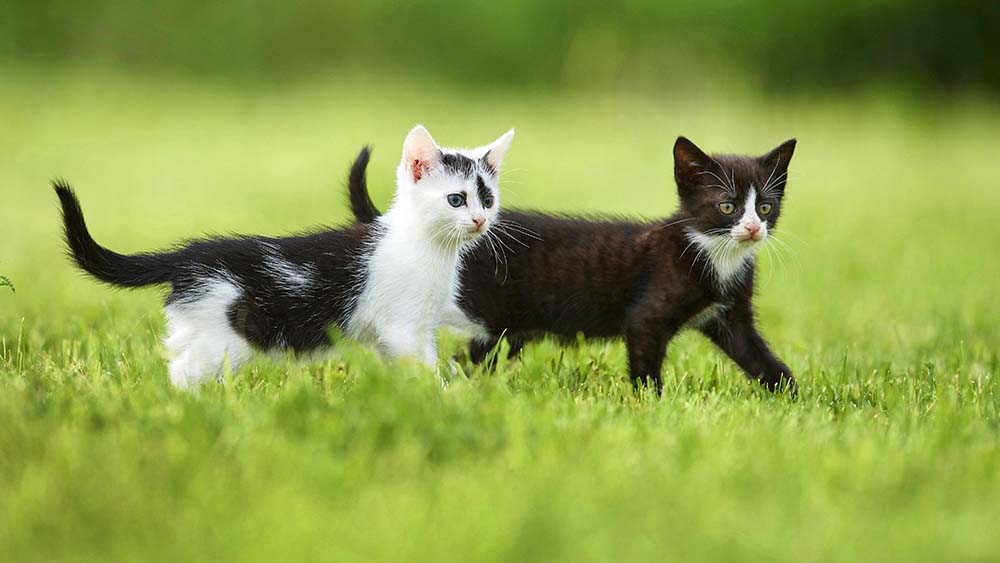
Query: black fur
269 313
361 202
484 193
458 164
108 266
641 280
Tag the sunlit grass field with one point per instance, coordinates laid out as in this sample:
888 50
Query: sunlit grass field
885 303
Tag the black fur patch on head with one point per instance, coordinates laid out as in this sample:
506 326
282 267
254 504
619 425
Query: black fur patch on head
458 164
485 195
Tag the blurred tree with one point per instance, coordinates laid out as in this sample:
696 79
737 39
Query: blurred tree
782 43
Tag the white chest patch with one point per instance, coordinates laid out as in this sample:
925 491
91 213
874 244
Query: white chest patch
291 278
409 285
727 259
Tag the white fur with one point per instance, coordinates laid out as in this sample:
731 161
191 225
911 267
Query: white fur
290 278
199 336
411 281
750 219
497 149
456 318
730 254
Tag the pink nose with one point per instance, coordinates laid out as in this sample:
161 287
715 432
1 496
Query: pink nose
753 229
478 221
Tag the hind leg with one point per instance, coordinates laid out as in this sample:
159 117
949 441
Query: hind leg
200 337
206 359
481 347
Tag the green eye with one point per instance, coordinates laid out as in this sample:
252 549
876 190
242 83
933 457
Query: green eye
727 208
764 208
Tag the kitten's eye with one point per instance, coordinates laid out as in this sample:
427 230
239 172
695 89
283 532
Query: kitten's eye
456 200
764 208
727 208
485 195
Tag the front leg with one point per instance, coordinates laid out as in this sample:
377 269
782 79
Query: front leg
646 341
737 336
408 342
430 356
481 347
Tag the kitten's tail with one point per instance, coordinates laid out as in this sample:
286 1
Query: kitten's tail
357 188
110 267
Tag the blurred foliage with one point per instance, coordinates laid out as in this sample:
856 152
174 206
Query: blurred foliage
943 45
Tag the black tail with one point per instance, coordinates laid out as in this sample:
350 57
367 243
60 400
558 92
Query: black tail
357 188
109 267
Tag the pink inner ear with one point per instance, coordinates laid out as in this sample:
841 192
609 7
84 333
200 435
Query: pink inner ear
418 169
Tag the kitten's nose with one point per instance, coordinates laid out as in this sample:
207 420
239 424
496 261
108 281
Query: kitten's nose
752 229
478 221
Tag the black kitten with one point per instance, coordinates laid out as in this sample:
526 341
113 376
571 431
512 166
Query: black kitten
642 280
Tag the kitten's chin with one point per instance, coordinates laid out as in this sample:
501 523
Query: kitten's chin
748 242
476 232
462 237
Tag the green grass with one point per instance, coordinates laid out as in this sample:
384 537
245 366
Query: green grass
886 307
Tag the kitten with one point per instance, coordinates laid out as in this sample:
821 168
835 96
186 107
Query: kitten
387 282
641 280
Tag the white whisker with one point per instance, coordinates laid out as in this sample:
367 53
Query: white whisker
519 228
728 187
773 170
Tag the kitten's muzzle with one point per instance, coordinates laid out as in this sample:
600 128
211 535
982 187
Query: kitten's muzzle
477 223
749 233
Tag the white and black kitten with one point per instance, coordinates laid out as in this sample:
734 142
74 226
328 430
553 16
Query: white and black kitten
641 280
390 282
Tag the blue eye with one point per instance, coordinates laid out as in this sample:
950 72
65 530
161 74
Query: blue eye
456 200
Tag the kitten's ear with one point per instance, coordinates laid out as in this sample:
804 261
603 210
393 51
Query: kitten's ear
497 149
420 152
778 159
689 161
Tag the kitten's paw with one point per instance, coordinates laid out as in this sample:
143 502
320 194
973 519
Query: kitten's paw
183 371
450 371
781 384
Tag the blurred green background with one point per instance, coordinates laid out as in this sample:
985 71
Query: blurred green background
777 44
177 119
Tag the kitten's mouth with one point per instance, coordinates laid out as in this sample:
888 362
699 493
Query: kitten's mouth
749 240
